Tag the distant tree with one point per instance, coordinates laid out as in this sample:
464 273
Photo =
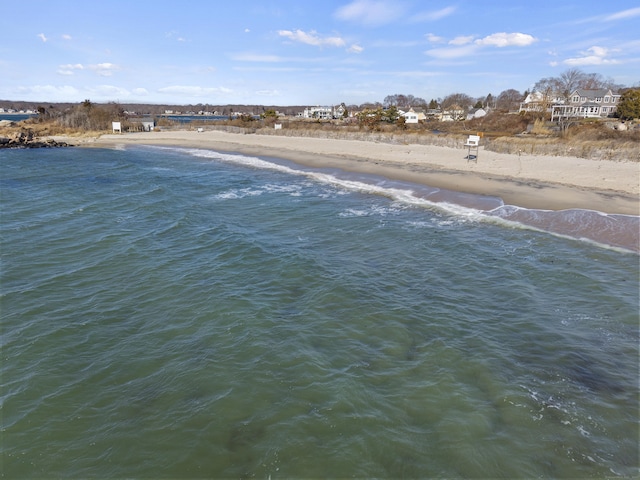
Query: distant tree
370 118
403 101
458 102
433 104
270 113
509 100
570 80
478 104
548 89
391 114
629 105
489 101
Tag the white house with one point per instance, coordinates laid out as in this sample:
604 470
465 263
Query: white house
540 101
453 113
322 113
587 103
410 117
476 113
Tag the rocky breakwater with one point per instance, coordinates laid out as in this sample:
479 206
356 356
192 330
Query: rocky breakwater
26 139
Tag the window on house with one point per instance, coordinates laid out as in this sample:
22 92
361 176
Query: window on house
606 99
576 99
598 99
583 99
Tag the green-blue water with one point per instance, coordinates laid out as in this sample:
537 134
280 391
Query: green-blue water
172 313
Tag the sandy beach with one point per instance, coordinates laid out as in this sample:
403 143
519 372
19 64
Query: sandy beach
541 182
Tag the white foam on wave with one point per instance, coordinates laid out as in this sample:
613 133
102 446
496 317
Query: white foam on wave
402 195
503 215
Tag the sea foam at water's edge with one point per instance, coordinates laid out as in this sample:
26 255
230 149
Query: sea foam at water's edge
610 230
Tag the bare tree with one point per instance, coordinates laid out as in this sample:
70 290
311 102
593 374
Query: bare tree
509 100
569 81
462 100
572 79
403 101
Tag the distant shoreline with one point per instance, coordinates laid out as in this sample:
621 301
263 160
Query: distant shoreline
540 182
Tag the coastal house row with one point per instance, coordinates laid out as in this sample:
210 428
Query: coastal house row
449 115
581 103
324 113
584 103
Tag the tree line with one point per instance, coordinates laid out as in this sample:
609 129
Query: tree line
90 116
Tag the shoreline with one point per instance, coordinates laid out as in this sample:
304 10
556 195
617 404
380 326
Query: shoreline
535 182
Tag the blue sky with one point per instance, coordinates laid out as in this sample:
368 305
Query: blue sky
306 52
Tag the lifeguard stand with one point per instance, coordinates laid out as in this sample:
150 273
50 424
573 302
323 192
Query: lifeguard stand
473 144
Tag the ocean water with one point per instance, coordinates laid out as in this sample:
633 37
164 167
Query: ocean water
177 313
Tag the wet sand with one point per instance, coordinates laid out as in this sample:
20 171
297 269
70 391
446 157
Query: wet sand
540 182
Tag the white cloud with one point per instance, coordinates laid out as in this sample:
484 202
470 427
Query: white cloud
464 45
174 34
355 49
42 37
140 91
194 91
104 69
252 57
69 68
503 39
312 38
433 15
371 12
623 15
592 56
462 40
268 93
66 37
452 52
108 91
434 38
52 93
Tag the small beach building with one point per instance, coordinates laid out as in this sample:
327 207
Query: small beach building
476 113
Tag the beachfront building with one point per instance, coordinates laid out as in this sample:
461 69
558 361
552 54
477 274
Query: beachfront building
453 114
586 103
476 113
413 116
321 113
324 113
541 101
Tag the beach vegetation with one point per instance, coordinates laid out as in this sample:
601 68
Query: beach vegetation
629 105
391 114
370 118
271 113
509 100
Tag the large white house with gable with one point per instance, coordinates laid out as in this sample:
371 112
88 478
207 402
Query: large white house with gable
587 103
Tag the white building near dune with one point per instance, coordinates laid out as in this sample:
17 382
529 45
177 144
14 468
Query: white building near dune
413 116
324 113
